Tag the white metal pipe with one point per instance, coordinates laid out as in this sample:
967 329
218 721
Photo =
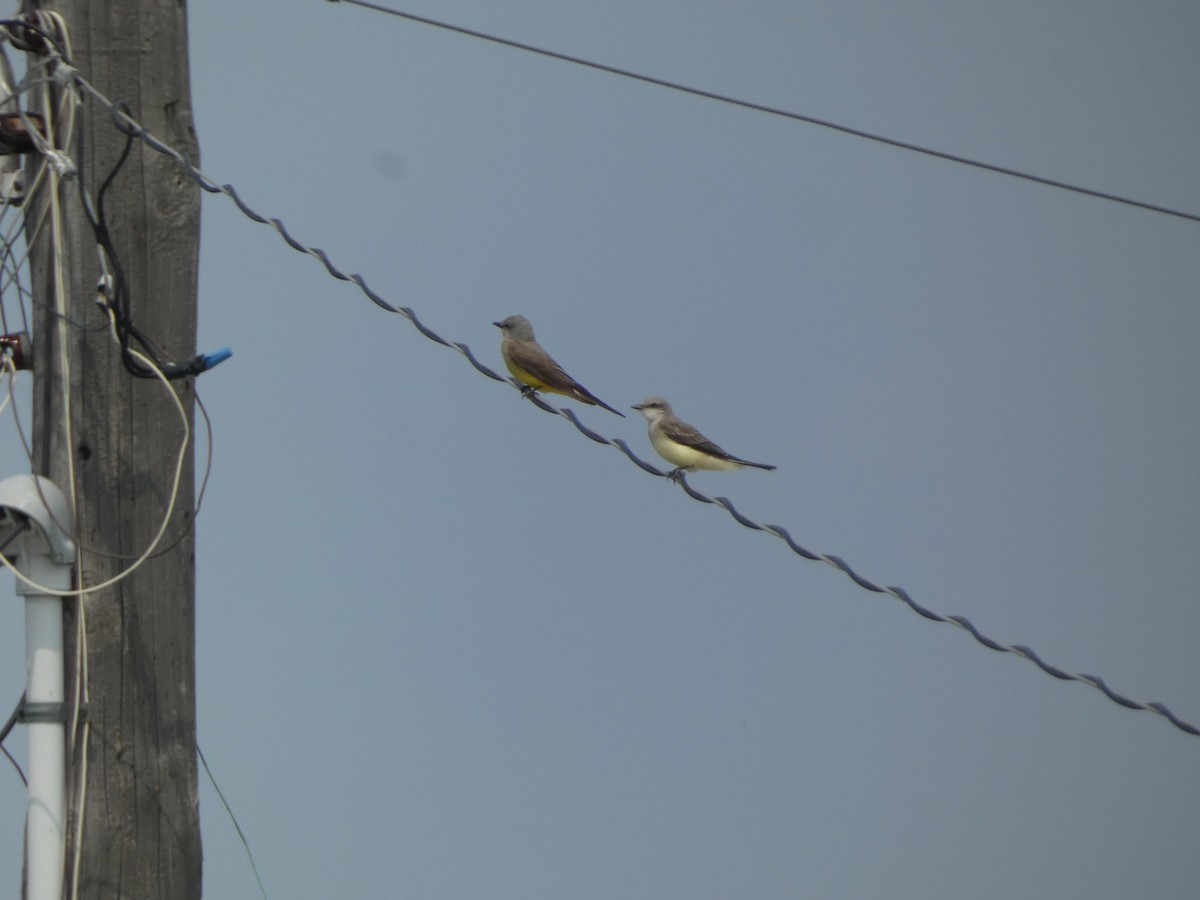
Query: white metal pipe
45 818
32 513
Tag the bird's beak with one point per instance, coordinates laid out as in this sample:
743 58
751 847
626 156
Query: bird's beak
497 324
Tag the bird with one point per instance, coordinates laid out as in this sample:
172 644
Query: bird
681 444
535 368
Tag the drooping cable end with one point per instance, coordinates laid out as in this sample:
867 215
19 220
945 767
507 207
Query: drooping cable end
206 361
200 363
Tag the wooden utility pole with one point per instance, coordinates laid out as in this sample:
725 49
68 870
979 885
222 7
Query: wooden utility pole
140 819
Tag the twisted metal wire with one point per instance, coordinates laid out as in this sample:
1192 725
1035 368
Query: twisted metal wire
129 126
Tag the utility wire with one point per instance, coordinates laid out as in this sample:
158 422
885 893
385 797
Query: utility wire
125 123
776 111
233 819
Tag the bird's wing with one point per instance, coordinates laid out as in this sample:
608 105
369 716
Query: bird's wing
682 433
541 365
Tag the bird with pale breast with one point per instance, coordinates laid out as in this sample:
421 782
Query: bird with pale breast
535 368
683 445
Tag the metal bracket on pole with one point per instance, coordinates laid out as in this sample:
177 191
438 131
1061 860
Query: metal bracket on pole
42 712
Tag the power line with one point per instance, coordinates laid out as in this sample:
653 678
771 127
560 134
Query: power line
229 810
776 111
128 125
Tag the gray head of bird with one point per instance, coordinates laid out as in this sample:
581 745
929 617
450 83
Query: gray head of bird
516 328
653 408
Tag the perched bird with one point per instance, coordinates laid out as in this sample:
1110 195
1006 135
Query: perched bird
535 368
678 442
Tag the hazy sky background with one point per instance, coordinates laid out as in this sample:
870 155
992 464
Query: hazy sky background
450 648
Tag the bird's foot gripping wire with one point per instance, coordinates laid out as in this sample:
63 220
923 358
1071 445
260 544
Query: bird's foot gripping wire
675 476
528 391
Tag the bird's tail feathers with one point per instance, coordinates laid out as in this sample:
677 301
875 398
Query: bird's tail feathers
588 397
767 466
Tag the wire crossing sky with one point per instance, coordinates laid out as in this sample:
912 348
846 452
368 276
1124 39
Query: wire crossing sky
127 125
775 111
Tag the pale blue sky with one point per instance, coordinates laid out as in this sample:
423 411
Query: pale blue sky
449 648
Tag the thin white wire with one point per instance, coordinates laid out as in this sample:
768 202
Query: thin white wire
60 298
80 731
70 102
178 477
